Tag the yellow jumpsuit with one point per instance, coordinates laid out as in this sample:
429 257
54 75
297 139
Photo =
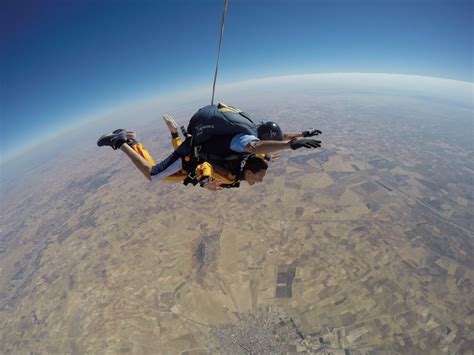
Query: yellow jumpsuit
203 170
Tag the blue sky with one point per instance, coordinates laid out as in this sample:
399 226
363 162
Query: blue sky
61 61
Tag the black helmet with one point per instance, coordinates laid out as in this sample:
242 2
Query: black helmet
269 131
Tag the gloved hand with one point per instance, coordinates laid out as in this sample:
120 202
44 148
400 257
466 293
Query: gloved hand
311 132
171 123
305 143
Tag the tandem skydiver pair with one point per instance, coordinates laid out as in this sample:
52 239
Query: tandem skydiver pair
222 147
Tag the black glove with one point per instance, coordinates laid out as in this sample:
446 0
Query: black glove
305 143
311 132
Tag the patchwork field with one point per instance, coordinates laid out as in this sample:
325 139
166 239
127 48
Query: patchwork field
363 245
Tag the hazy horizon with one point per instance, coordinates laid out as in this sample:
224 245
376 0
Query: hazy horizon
200 95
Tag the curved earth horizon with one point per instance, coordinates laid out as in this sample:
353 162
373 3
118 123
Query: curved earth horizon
460 91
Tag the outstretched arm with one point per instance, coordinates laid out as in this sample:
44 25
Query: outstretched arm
292 135
264 147
308 133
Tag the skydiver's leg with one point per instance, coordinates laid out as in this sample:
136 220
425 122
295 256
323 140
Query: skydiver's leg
140 162
166 167
119 140
140 149
129 138
170 164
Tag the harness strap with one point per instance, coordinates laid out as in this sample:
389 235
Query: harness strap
196 151
190 179
202 156
189 164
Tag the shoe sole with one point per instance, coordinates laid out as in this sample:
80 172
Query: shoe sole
106 139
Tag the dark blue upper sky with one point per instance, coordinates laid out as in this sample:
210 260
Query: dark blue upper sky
64 59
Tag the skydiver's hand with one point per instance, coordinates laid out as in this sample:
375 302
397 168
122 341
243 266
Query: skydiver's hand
214 185
171 123
311 132
211 184
305 143
272 157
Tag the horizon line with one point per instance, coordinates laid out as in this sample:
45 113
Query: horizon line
101 113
